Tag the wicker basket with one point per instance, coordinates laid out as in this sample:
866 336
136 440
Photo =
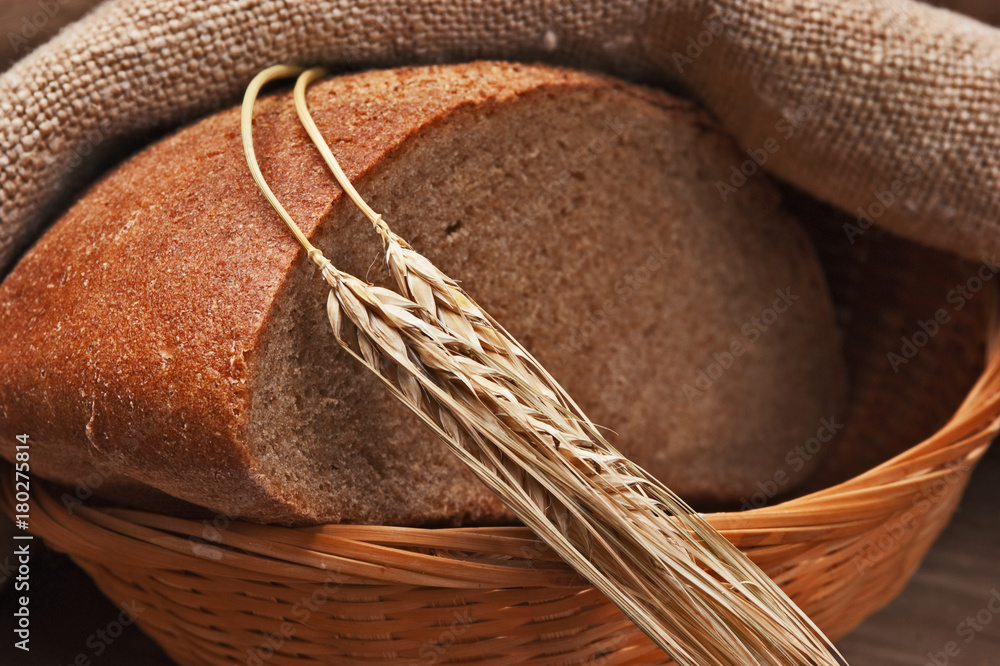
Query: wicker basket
229 592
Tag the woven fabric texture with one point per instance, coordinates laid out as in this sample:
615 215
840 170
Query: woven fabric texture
885 108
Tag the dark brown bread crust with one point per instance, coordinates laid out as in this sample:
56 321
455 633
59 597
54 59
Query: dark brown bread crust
140 330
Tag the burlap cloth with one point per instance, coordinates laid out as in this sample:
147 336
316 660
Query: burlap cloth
885 108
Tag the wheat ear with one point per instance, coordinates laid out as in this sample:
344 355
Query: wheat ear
438 352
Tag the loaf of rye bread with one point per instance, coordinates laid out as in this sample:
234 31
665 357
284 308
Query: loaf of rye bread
168 332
